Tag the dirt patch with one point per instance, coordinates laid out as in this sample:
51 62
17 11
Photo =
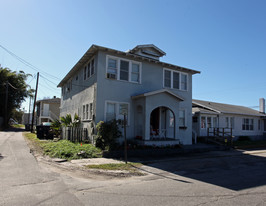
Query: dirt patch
77 167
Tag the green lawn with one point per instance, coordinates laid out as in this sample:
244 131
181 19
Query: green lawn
63 149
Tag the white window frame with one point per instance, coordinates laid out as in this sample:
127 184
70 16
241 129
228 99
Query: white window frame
117 115
118 59
204 123
88 67
249 124
90 111
185 118
87 111
172 79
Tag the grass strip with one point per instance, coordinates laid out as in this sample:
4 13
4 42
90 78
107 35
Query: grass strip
63 149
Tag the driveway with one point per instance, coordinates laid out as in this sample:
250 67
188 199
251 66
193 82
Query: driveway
24 181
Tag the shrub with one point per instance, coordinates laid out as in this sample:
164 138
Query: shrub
107 133
68 150
243 138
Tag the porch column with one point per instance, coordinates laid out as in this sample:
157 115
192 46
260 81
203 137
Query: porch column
147 123
176 135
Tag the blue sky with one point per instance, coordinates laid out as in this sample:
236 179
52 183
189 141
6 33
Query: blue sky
224 39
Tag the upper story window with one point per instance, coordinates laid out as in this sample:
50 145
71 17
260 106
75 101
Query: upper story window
175 80
122 69
89 69
85 71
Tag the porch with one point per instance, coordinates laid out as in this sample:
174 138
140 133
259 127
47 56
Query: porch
156 115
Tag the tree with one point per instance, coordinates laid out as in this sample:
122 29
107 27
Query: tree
13 86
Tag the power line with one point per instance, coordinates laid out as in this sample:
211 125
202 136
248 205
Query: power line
48 80
27 63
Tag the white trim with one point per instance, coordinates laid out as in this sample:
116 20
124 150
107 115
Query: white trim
119 59
158 92
88 70
86 112
172 79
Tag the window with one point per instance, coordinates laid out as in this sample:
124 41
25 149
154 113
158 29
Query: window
209 122
171 119
85 71
124 70
167 78
227 122
215 122
84 112
182 118
203 122
89 70
175 80
110 111
232 122
116 110
259 124
135 72
87 111
91 111
112 68
183 82
92 67
247 124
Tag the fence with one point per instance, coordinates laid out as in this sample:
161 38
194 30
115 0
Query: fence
74 134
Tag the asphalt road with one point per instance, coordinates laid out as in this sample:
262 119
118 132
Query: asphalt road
215 178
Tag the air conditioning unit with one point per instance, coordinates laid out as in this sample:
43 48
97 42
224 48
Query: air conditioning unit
111 76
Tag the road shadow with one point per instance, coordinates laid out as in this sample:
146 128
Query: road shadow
13 129
234 170
1 157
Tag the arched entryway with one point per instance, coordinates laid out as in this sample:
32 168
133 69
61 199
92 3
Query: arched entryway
162 123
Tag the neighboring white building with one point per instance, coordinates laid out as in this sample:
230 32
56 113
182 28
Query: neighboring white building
48 110
155 96
242 120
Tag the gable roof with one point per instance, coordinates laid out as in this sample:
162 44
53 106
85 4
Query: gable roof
158 52
158 92
225 108
95 48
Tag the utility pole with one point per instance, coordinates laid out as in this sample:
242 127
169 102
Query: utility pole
6 111
125 137
32 121
29 112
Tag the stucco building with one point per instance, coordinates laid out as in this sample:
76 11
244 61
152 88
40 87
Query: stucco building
156 96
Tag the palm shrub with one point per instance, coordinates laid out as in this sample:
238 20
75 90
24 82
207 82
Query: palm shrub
107 133
56 127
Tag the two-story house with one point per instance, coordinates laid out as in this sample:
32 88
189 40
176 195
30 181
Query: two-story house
48 110
156 96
